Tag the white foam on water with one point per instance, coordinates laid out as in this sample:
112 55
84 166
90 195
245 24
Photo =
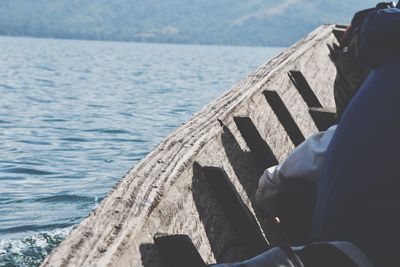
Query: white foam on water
31 250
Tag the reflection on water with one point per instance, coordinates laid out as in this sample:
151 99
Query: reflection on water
76 115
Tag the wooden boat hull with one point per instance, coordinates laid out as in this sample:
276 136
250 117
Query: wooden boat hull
167 191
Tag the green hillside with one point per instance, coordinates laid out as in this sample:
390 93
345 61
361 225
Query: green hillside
230 22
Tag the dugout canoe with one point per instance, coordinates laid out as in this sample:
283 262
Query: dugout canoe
249 128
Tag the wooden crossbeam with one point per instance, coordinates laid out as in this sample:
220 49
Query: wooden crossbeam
323 117
302 86
261 150
284 116
178 251
235 210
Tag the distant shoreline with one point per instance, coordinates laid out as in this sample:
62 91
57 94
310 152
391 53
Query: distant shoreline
135 41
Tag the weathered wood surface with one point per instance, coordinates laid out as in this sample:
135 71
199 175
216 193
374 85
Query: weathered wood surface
166 192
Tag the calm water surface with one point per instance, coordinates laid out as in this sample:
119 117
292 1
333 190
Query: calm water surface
76 115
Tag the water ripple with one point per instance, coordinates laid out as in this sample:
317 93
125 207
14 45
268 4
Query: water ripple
109 131
38 100
34 142
22 170
76 139
47 68
54 120
34 228
65 198
5 86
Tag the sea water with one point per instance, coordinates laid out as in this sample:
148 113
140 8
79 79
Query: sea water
75 116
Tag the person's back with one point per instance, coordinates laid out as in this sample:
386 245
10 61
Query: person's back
359 190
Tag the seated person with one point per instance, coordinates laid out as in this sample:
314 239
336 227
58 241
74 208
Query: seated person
358 196
280 186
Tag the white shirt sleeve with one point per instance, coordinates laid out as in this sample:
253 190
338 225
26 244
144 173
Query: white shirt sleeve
304 162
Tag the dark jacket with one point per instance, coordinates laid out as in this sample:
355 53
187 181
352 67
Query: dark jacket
358 197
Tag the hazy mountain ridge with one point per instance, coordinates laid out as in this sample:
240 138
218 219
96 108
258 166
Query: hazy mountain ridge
232 22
